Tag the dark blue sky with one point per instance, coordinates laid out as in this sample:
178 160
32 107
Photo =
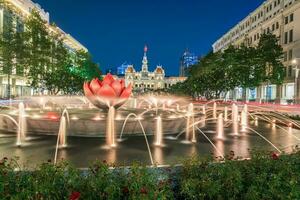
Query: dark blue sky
115 31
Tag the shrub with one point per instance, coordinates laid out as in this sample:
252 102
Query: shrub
266 176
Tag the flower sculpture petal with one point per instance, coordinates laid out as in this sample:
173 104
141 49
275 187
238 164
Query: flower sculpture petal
107 93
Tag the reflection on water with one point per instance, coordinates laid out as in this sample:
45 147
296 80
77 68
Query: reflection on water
158 155
81 151
221 148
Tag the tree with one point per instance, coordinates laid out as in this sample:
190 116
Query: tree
39 48
39 53
85 66
270 55
7 48
243 66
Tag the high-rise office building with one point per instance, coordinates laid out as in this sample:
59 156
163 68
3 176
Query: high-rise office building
186 60
122 69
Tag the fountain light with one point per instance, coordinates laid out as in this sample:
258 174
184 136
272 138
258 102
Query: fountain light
75 118
97 118
119 117
36 116
273 123
14 112
139 117
177 107
172 117
169 102
256 121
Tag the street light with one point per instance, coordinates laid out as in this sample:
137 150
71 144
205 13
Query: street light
294 62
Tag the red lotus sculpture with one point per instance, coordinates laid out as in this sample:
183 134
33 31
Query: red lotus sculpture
110 92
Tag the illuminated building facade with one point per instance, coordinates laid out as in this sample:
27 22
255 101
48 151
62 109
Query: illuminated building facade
146 80
21 9
279 17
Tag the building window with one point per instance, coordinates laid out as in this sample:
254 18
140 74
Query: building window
291 17
291 36
290 54
285 56
290 70
285 37
286 20
277 25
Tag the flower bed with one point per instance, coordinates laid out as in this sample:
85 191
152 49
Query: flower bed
265 176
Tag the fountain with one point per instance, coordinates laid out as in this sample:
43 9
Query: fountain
22 125
220 127
143 124
235 119
108 94
190 129
243 121
203 110
215 110
159 132
178 108
62 133
225 113
110 127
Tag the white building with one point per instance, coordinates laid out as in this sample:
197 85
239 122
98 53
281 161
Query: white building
22 9
282 18
147 80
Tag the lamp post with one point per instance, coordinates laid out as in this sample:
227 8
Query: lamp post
295 62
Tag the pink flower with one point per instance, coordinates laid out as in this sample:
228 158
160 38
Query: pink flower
106 93
74 196
144 190
275 156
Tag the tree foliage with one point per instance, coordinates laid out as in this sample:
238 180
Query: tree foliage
244 66
35 49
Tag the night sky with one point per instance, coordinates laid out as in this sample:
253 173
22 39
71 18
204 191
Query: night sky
115 31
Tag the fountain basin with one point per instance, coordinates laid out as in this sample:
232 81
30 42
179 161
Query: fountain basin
92 122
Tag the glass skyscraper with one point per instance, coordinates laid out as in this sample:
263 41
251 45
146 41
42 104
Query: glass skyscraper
186 60
121 69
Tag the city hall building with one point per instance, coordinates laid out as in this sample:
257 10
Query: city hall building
149 80
282 18
20 10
